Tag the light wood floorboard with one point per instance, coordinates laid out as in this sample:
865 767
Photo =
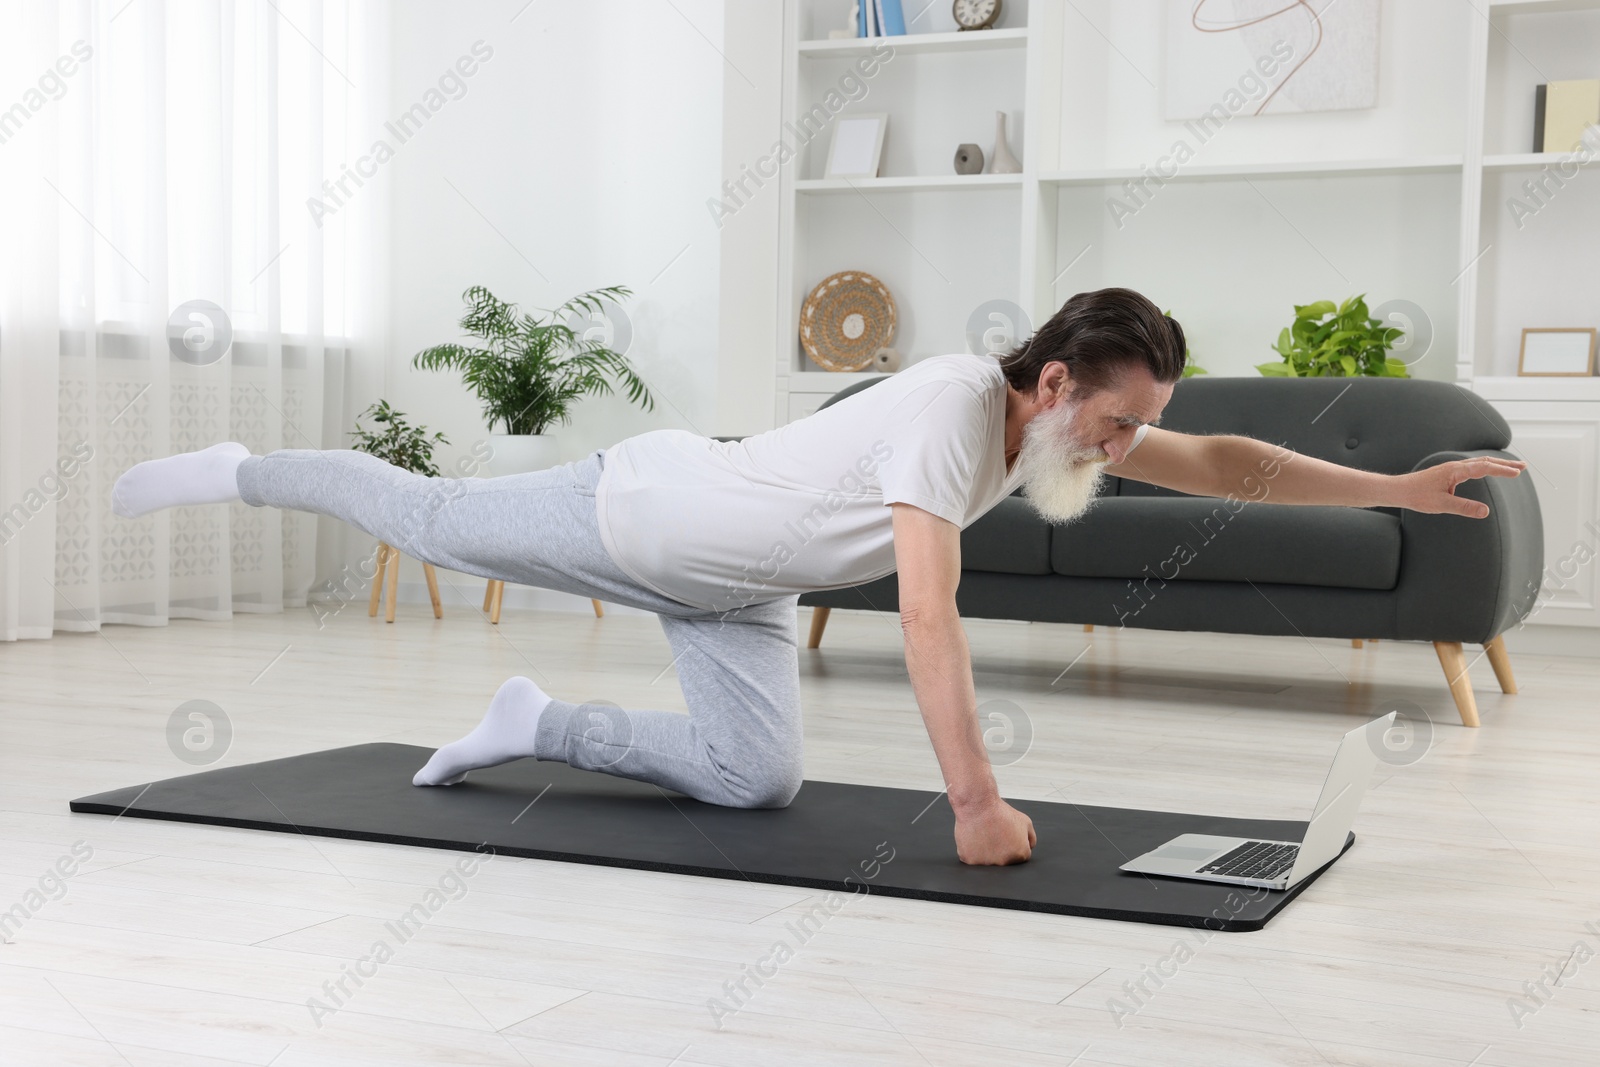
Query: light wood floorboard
1477 868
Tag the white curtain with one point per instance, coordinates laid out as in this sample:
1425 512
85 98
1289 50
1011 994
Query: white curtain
154 155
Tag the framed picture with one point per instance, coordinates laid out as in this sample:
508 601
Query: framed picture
857 146
1255 58
1556 352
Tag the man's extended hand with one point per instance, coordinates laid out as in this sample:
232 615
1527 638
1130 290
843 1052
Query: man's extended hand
1433 490
996 834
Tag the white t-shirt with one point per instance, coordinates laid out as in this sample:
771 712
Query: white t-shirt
718 525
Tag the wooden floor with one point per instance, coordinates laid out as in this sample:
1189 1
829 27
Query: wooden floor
1477 868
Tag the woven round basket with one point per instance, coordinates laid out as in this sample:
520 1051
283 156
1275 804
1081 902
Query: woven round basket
845 320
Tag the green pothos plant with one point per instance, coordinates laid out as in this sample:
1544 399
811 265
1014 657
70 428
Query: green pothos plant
1336 341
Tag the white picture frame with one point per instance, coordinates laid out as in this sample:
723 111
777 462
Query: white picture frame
856 148
1231 60
1551 352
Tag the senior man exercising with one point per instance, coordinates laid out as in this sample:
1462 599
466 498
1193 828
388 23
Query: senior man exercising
719 538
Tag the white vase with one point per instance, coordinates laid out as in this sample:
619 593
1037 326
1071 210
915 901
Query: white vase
522 453
1002 161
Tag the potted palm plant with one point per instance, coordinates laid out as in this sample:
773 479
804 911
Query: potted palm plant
529 369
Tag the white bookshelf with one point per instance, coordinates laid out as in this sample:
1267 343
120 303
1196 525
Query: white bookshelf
1522 160
1399 201
1309 169
913 43
941 241
909 182
1539 269
1524 6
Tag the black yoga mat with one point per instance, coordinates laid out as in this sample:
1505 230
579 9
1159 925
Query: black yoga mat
847 838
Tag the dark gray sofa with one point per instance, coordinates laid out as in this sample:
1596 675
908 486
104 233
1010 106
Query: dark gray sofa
1148 557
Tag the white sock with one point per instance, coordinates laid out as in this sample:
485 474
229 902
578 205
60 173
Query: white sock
505 734
209 476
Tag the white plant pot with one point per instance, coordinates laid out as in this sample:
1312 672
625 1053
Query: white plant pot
522 453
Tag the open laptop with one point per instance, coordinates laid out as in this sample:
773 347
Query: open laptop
1280 864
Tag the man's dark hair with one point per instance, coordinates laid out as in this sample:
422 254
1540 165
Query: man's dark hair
1100 336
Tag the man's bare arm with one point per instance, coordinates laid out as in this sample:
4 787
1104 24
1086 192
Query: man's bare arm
1247 469
928 558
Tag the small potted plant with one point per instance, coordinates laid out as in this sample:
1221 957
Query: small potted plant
530 369
407 447
1328 341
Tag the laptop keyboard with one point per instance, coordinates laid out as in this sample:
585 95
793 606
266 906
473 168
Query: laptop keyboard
1254 859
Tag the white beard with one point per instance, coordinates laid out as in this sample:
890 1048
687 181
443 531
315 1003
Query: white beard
1060 475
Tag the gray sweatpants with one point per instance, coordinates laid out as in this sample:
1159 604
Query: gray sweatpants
740 744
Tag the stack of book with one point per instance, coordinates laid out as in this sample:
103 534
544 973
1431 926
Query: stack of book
880 18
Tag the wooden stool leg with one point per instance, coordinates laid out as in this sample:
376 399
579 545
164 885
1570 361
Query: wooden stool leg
499 595
433 589
377 580
1501 664
819 623
599 612
488 593
1454 662
394 584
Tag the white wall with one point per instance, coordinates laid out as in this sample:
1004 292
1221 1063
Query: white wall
580 155
583 152
752 108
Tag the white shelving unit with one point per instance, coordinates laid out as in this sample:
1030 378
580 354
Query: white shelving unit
918 42
912 182
1312 169
1510 278
1076 82
1522 160
942 242
1522 269
1407 201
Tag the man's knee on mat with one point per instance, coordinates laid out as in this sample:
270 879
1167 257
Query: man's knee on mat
775 788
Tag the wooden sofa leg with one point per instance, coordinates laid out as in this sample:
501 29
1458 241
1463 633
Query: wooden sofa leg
1501 664
1088 627
1355 642
819 623
1454 662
